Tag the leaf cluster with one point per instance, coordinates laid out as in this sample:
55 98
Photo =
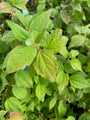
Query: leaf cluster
45 60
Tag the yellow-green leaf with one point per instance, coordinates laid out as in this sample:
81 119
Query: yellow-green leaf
40 24
40 92
23 79
76 64
77 40
65 17
20 33
79 82
46 65
19 58
19 92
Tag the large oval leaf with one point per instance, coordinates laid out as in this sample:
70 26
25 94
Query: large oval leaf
40 24
20 57
40 92
79 82
62 109
23 79
19 92
76 64
77 40
12 104
46 65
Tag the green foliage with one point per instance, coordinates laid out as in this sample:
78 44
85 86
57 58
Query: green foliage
45 60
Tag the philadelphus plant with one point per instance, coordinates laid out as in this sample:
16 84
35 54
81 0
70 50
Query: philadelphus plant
45 60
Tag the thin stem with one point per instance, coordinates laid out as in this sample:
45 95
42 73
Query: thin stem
9 87
37 48
39 114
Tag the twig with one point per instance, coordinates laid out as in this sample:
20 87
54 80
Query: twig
37 48
39 114
9 87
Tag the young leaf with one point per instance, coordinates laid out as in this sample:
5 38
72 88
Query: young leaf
61 80
55 43
23 79
19 58
65 17
40 92
8 37
62 109
19 33
46 65
40 24
77 40
64 52
73 53
21 17
32 38
76 64
19 92
52 102
70 118
79 82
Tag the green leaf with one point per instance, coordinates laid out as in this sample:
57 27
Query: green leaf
12 104
40 92
82 58
52 102
73 53
3 47
88 68
65 17
56 41
76 64
40 7
20 33
21 17
23 79
5 62
85 116
32 38
2 113
8 37
68 68
77 40
46 65
64 52
40 24
62 109
19 4
77 7
19 58
70 118
19 92
61 80
79 82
